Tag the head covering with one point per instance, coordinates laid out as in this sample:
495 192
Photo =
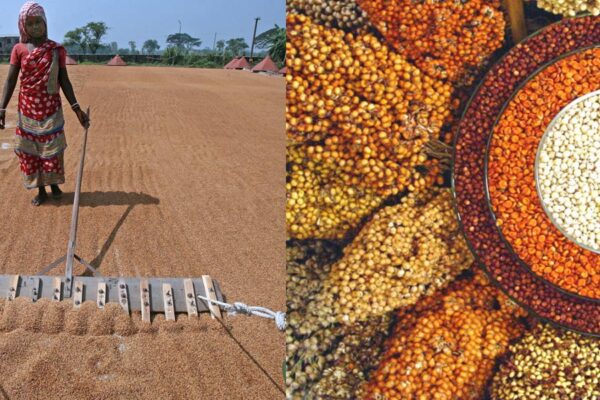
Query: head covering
30 9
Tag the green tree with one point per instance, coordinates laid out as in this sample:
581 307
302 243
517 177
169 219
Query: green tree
150 46
220 46
77 38
93 33
236 46
274 40
183 41
114 47
132 46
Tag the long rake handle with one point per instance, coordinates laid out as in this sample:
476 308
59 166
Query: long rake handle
75 218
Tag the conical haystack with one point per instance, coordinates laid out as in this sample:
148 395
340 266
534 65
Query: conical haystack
242 63
230 64
117 61
266 65
71 61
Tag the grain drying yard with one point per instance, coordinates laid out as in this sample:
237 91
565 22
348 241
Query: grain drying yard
183 178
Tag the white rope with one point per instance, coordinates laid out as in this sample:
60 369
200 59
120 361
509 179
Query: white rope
242 308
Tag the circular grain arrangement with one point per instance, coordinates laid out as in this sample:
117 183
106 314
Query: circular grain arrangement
512 152
567 171
509 75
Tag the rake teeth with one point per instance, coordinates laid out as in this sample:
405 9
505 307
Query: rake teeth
148 295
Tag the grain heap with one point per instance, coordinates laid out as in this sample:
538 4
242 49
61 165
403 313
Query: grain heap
572 149
447 345
343 14
319 204
334 360
550 363
307 264
446 39
362 107
405 252
570 8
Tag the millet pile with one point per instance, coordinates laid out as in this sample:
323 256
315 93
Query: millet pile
362 107
447 345
550 363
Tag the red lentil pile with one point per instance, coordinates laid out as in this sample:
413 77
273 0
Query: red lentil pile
512 187
447 346
497 87
362 107
446 39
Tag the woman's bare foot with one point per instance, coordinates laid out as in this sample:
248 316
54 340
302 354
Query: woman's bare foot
56 192
41 197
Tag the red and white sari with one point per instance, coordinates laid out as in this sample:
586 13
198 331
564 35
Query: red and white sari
40 139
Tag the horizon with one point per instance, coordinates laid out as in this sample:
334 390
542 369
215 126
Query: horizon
202 19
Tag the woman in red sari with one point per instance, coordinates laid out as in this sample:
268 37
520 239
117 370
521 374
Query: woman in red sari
40 137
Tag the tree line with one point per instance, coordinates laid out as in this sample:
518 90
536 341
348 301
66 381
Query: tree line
88 40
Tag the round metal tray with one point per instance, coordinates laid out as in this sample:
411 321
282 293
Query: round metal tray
488 145
473 214
556 118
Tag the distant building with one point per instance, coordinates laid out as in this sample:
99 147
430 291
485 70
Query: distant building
7 43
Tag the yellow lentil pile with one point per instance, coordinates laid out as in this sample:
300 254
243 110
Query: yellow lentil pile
343 14
405 252
447 345
362 107
570 8
319 204
447 39
549 363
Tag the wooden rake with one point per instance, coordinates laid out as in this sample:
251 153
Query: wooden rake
148 295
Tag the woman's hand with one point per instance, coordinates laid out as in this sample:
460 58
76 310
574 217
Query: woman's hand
2 119
84 120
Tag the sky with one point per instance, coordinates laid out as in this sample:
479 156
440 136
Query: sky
139 20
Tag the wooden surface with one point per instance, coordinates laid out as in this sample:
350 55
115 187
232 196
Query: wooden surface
516 19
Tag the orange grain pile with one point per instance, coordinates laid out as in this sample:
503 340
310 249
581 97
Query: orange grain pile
447 345
362 107
446 39
511 174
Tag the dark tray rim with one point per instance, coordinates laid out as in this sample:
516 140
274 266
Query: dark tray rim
455 140
488 145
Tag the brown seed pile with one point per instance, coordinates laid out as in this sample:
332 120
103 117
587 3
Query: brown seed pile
308 264
319 204
362 107
405 252
446 347
333 361
446 39
343 14
549 363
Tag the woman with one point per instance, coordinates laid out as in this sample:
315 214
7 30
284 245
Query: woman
40 138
